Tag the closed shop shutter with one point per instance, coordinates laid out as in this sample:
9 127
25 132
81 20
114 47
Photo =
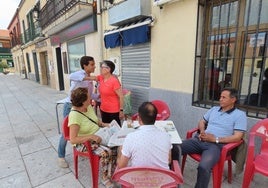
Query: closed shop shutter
136 72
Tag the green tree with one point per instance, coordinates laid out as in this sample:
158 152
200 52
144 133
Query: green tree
3 65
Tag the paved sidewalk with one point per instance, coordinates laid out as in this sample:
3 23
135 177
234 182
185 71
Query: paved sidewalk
29 139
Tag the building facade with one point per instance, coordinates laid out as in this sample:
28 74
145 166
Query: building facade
6 60
15 38
180 51
72 33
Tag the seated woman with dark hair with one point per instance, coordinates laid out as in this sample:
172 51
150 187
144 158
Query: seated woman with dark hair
85 126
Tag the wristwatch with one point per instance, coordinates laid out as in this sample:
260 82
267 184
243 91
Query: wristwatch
217 140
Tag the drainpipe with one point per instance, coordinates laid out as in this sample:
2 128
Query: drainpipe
99 25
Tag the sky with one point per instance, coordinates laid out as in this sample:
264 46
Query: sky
7 11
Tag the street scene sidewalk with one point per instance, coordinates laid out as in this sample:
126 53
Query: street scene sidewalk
29 141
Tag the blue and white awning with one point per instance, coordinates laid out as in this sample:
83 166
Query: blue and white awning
132 34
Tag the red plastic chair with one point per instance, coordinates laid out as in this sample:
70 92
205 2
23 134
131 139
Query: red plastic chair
152 177
93 159
217 170
162 109
257 160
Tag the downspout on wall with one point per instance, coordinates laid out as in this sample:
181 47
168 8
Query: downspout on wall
99 25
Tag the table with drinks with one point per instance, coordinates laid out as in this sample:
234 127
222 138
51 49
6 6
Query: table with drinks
168 126
130 126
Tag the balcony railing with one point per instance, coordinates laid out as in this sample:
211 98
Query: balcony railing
15 41
55 9
31 33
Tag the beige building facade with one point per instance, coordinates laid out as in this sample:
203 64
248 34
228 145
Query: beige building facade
33 53
179 51
194 47
170 62
72 35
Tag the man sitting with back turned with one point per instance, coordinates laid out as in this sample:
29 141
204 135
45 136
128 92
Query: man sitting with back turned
147 146
225 124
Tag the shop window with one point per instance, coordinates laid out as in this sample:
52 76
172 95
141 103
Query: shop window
231 50
76 49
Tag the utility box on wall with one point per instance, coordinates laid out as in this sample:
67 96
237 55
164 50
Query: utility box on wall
129 11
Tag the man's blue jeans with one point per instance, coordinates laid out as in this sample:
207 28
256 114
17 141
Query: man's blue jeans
210 156
62 143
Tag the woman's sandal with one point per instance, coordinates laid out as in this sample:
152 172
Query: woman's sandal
107 183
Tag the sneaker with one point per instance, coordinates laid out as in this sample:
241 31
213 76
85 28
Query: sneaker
62 163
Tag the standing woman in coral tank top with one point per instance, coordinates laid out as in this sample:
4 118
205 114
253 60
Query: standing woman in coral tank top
112 101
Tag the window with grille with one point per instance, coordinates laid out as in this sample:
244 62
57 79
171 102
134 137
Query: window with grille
231 50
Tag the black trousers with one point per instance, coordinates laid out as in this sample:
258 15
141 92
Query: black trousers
108 117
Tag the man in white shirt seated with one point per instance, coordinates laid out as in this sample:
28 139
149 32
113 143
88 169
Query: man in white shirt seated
147 146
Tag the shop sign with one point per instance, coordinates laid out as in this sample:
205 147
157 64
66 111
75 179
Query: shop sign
79 29
5 56
41 44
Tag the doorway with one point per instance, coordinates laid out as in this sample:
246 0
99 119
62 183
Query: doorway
45 68
60 70
36 69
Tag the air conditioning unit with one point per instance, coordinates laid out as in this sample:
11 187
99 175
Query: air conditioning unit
162 2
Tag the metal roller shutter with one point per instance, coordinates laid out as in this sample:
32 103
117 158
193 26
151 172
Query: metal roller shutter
136 72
